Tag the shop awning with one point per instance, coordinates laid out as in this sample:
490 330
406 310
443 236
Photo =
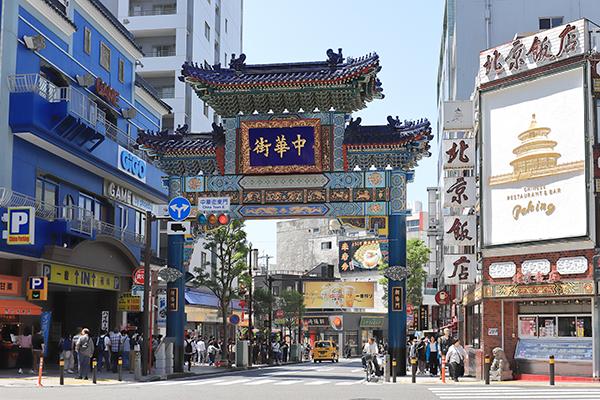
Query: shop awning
19 307
206 299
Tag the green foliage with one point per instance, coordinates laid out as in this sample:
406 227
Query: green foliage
417 255
262 303
227 245
292 304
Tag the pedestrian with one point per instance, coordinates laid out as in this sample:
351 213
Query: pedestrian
25 357
432 356
133 342
231 351
422 354
115 349
66 354
85 349
102 345
456 359
78 334
255 352
284 352
347 350
37 348
275 351
263 352
125 348
154 347
212 352
201 348
189 348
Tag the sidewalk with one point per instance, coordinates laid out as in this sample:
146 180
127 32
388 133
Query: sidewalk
51 376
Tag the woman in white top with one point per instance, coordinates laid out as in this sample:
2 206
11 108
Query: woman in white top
456 359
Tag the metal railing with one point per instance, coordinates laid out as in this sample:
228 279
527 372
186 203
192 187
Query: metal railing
154 11
161 53
80 220
80 105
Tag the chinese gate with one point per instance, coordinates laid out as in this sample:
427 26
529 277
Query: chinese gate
288 148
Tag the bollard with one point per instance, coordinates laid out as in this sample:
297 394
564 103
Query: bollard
62 371
443 371
120 369
41 368
551 370
386 364
137 366
413 362
94 370
394 370
486 369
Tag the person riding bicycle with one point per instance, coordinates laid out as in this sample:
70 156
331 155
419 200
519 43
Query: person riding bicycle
371 351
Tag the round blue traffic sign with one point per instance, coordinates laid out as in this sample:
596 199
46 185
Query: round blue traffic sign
179 208
234 319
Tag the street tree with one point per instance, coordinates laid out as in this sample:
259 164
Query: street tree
417 255
228 246
291 303
262 303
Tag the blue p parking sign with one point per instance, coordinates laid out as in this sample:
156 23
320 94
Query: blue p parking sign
21 225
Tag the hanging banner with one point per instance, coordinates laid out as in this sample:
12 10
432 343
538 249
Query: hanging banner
459 230
459 154
460 268
45 325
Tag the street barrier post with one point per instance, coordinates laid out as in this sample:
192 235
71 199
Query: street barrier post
40 369
551 365
120 369
394 370
413 362
62 371
443 372
94 370
486 369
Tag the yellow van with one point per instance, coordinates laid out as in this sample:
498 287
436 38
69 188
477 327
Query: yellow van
325 350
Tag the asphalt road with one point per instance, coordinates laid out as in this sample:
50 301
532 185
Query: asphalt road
330 381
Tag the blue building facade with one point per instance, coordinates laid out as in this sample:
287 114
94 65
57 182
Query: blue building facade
71 104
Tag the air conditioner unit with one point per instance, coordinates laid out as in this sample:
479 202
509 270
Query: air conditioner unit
129 113
35 42
86 80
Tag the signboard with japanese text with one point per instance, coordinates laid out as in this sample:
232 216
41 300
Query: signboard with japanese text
172 302
129 302
21 225
460 268
396 299
371 322
458 115
533 51
339 294
161 318
281 146
533 170
214 204
460 191
460 230
105 320
10 285
360 255
317 321
459 154
63 275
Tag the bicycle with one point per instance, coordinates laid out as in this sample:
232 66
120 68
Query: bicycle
370 360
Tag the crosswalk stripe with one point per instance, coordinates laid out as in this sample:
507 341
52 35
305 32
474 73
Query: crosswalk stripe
347 383
316 383
288 382
531 396
260 382
205 382
234 382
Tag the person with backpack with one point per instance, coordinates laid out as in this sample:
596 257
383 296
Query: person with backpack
212 352
188 351
102 343
85 350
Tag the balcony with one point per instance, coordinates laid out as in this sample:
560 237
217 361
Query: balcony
144 10
71 220
63 111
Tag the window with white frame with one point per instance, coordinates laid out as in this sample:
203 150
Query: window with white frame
207 31
550 22
87 41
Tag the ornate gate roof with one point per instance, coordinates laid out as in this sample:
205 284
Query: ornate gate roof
345 86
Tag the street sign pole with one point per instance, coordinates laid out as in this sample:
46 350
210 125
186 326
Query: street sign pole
146 314
397 311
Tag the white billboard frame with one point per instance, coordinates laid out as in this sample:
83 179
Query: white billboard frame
545 197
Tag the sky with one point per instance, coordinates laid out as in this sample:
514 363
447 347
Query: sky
406 36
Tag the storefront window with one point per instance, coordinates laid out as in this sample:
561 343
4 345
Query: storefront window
566 326
551 326
474 325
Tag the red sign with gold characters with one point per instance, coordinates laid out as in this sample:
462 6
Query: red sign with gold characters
442 297
10 285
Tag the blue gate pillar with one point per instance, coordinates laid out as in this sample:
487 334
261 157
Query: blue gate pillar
397 306
176 317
